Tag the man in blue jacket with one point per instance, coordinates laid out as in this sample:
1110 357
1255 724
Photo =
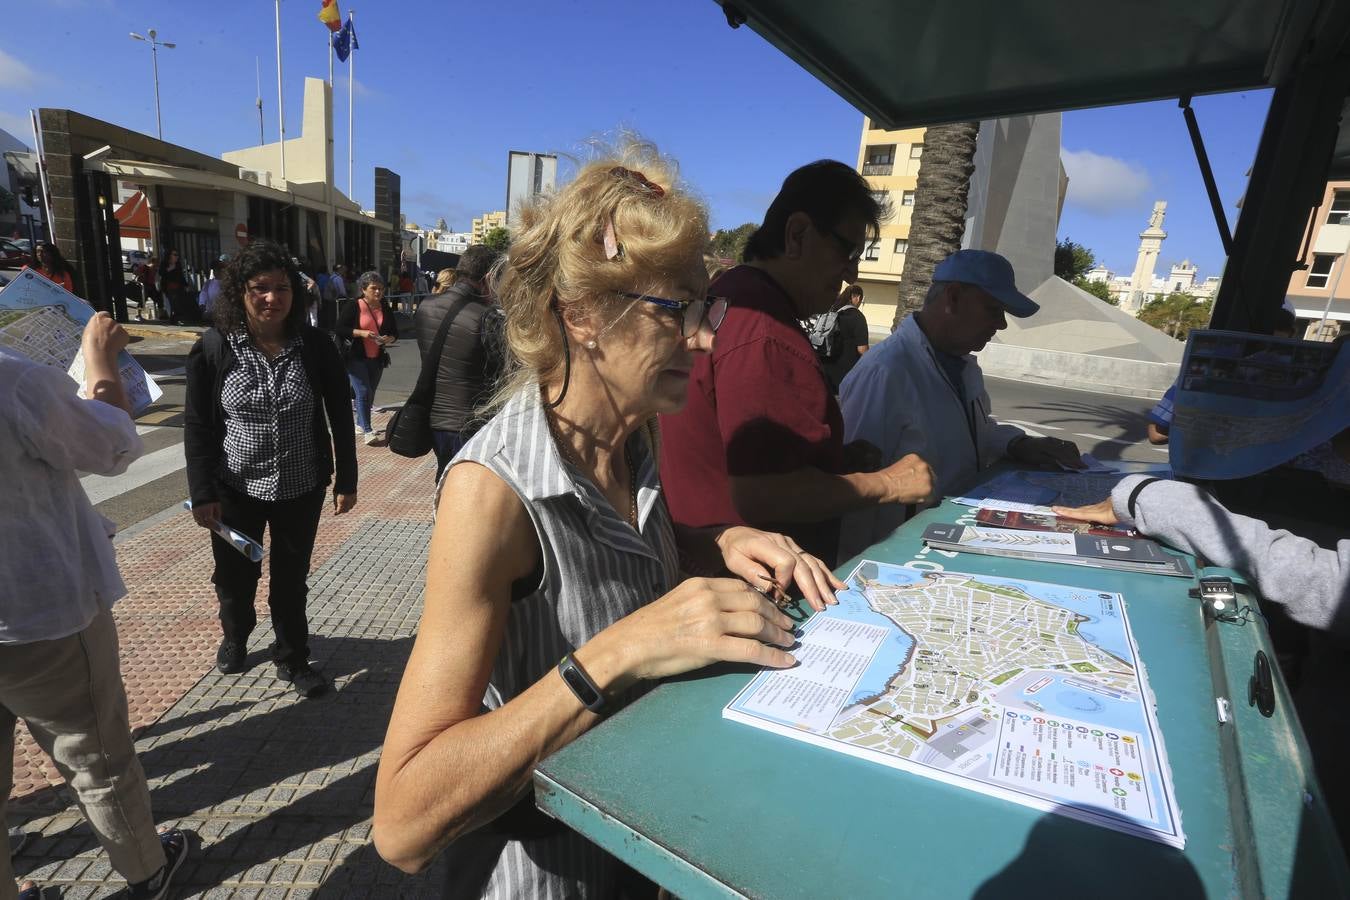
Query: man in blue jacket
921 390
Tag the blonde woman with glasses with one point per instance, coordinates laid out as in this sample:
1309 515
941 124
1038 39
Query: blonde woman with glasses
554 588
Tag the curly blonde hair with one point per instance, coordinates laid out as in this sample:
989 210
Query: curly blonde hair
558 260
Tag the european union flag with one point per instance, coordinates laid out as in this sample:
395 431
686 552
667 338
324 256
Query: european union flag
344 42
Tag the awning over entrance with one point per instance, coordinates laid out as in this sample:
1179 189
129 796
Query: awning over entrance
917 62
133 217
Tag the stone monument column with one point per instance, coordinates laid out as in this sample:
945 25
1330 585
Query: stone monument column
1150 245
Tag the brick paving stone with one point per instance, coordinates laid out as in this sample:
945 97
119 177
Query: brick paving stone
278 790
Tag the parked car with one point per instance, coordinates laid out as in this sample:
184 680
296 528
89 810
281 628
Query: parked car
13 255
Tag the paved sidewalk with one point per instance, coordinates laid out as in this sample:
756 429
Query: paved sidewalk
280 790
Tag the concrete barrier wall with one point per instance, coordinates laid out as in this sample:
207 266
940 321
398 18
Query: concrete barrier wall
1107 374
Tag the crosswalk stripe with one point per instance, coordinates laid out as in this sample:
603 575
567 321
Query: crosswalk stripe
161 416
1025 425
164 461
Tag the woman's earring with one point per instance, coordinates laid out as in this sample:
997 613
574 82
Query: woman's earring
590 345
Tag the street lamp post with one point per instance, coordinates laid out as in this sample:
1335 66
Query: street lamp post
154 61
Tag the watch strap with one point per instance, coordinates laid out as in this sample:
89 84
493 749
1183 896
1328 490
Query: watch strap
581 684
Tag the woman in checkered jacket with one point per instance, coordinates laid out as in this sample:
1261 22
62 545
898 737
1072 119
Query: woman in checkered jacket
267 427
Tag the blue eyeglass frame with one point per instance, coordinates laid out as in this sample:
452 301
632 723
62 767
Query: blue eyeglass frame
682 307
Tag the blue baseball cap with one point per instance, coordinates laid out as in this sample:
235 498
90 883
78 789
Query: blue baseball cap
991 273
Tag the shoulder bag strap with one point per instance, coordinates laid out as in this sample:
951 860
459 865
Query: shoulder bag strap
426 379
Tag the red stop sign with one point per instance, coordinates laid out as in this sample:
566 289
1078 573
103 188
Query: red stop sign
241 234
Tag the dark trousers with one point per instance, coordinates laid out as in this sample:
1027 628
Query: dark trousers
446 444
294 524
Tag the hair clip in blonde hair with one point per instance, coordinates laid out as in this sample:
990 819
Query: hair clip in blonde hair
613 249
621 172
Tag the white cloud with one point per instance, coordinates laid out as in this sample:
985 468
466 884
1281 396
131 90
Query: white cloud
17 125
363 90
14 75
1103 184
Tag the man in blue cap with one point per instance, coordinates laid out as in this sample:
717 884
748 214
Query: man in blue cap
921 390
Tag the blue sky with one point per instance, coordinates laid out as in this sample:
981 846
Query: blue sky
445 90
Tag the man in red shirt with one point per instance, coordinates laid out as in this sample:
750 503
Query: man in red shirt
760 441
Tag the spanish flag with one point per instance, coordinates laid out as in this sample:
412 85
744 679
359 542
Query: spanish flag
330 15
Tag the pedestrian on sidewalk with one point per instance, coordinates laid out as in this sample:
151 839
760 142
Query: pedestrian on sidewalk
267 421
206 300
172 286
59 669
471 358
370 327
553 541
151 302
51 263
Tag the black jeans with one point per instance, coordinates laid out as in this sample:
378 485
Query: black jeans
294 524
446 444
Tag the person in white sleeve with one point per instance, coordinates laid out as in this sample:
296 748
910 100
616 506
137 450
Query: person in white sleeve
59 668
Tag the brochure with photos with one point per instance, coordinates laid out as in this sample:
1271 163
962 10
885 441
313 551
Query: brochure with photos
1003 518
1120 553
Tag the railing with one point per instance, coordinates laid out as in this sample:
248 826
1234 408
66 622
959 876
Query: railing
878 168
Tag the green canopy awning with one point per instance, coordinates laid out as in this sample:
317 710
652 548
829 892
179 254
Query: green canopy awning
922 62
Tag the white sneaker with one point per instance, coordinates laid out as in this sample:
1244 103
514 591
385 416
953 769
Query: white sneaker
359 431
372 437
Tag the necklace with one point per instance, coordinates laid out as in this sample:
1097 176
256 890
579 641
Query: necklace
566 450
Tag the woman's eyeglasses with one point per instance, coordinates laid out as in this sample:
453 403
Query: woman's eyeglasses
693 313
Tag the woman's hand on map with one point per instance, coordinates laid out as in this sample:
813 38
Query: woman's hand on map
1102 513
1046 451
702 621
770 562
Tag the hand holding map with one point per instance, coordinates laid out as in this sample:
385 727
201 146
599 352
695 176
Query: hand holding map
45 322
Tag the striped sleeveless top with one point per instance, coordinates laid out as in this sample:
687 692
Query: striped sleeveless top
596 570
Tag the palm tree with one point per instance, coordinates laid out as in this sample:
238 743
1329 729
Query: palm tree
939 217
1176 314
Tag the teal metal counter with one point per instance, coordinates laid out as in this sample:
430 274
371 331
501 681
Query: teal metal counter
713 808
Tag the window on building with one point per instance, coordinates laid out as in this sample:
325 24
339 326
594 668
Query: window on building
1340 208
907 198
901 246
1320 272
873 251
879 160
915 151
881 155
882 197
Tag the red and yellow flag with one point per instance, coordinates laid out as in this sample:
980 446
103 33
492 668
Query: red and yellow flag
330 15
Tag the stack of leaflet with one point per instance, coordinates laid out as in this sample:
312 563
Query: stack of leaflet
1002 518
1077 549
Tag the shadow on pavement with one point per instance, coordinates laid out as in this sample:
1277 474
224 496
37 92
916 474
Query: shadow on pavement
272 783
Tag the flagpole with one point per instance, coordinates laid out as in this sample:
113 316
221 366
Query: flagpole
329 41
281 103
351 106
257 74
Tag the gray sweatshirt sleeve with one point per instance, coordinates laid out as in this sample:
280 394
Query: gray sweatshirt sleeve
1313 584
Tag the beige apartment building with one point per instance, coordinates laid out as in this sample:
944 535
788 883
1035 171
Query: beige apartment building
485 223
890 162
1322 290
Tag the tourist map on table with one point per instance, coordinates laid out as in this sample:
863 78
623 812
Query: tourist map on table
1023 690
44 322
